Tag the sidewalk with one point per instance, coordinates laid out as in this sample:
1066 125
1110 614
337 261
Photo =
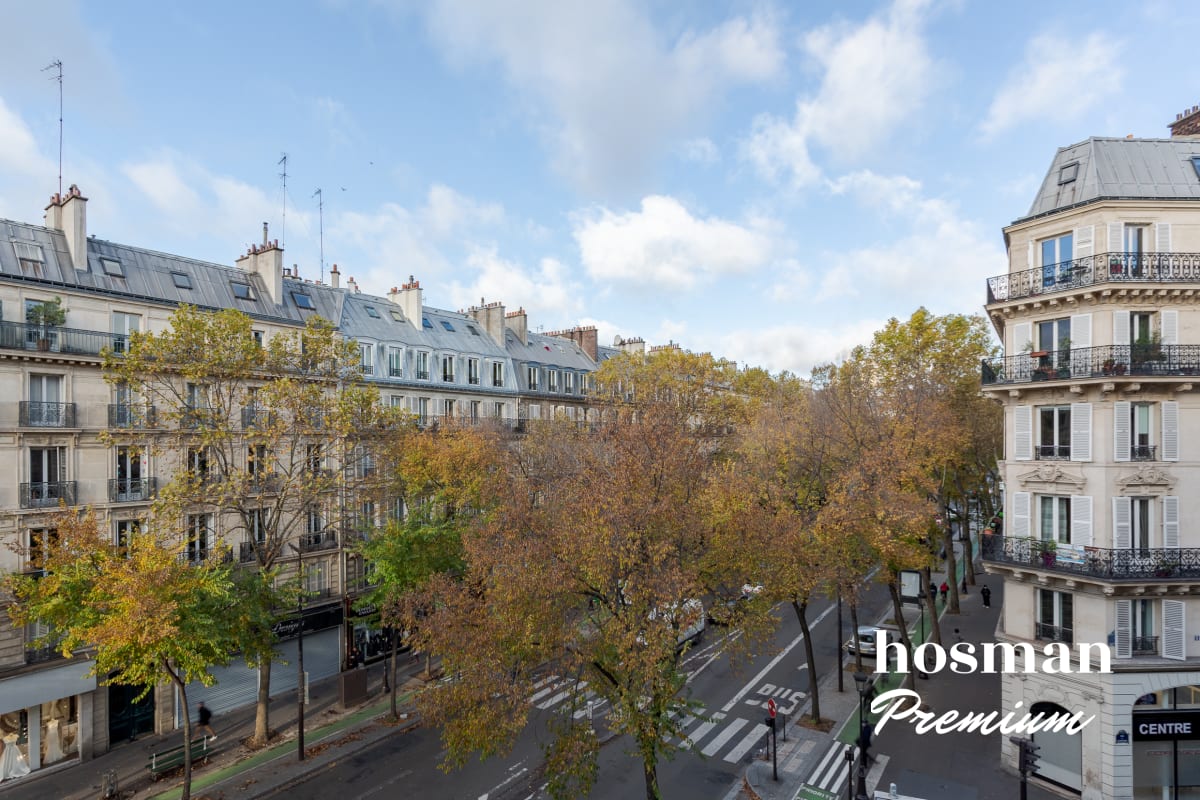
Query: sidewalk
273 766
959 766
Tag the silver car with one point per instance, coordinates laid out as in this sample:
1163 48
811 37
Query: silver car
866 637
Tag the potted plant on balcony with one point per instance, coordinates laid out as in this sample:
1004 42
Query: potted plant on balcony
1146 349
1049 553
46 315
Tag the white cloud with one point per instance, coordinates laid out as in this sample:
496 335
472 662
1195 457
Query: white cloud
701 150
606 88
546 292
447 212
796 347
1059 79
874 77
19 152
665 244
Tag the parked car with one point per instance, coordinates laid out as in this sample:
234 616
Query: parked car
867 637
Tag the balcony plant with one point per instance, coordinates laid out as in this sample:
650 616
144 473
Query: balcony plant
46 315
1146 349
1049 553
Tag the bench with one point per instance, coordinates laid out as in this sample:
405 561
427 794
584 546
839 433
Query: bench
163 762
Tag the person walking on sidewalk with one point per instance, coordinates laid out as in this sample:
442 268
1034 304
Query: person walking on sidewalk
986 594
945 589
205 716
964 585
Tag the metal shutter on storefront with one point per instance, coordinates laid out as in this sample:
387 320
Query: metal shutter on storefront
236 686
322 659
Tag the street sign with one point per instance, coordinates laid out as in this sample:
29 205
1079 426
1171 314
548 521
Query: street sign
771 707
813 793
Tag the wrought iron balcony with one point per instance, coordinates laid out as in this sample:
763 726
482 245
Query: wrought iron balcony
1052 452
1108 362
124 490
263 482
395 371
248 551
34 414
1125 564
27 336
256 417
46 652
1054 633
322 540
1142 452
47 494
1145 645
125 415
422 374
197 416
1096 269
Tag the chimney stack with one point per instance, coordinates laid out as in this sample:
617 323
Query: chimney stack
335 277
1187 123
68 213
408 297
636 345
584 336
518 322
491 317
352 285
266 262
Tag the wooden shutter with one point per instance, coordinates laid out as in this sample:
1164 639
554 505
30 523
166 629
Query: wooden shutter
1122 433
1081 432
1023 433
1170 431
1020 515
1084 241
1170 522
1174 634
1115 245
1122 522
1081 342
1120 329
1081 520
1124 646
1170 326
1162 237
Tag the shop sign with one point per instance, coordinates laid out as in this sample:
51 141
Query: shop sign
315 619
1159 726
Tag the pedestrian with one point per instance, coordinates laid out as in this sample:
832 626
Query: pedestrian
986 594
964 586
945 589
205 717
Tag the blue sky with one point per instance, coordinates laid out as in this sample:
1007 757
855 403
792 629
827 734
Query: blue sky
766 181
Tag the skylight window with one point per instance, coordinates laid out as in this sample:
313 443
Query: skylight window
112 267
396 315
241 290
1196 165
302 300
182 280
446 325
474 331
371 312
425 323
1068 173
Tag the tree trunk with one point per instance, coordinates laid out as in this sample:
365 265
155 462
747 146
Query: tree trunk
429 665
935 626
392 668
262 724
650 769
854 633
186 793
951 568
801 610
898 611
969 557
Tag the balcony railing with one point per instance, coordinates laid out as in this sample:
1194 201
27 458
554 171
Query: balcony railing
26 336
1106 362
1142 452
1053 452
124 415
1145 645
34 414
323 540
46 494
256 417
196 416
1054 633
248 551
124 490
1096 269
1126 564
422 374
39 655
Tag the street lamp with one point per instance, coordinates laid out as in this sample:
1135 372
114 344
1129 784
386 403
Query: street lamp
863 689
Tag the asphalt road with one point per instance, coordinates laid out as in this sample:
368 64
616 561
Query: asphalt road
723 738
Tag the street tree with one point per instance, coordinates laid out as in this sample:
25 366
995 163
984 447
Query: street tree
142 612
258 436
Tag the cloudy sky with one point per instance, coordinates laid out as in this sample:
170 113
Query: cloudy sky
768 181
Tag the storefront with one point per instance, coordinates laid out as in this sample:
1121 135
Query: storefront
40 717
1166 745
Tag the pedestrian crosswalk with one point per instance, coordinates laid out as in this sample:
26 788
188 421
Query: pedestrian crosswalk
714 735
834 769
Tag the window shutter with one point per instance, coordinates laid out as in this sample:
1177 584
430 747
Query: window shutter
1174 635
1084 241
1115 229
1023 433
1171 522
1122 435
1162 237
1122 522
1081 340
1170 326
1020 515
1081 432
1124 624
1170 431
1120 328
1081 520
1022 334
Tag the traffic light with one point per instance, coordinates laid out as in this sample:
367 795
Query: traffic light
1028 756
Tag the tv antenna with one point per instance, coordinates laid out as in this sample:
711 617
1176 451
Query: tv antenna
283 223
56 65
321 217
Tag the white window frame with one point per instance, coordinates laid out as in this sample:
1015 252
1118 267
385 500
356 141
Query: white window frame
1060 532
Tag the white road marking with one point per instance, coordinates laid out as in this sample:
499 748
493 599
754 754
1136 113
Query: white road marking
724 736
748 741
770 666
548 690
700 732
507 780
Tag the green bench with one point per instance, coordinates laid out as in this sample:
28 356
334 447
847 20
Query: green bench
163 762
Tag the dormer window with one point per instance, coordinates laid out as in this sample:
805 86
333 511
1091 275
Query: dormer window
1068 173
182 280
30 256
371 312
302 300
241 290
112 267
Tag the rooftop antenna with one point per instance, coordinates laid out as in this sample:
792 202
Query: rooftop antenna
321 216
56 65
283 222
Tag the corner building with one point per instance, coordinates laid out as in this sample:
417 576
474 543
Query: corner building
1100 324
